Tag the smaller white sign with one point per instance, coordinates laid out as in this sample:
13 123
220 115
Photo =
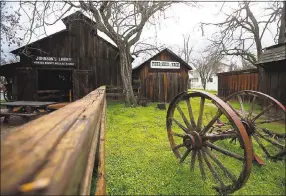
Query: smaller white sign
164 65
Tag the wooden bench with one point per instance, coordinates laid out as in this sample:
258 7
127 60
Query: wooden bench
25 116
17 114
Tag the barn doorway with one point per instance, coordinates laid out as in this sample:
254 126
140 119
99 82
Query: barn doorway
54 85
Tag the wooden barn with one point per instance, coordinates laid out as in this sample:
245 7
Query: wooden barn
232 81
161 77
272 72
269 77
64 66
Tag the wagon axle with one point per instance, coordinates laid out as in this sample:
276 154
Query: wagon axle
193 140
249 126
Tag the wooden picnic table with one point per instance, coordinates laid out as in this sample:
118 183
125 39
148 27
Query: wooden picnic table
27 109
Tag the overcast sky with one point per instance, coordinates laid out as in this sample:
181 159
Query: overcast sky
180 19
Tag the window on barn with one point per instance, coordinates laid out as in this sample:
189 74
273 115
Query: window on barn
210 80
195 79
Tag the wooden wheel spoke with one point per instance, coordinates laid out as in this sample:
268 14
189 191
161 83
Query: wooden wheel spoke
200 119
210 124
241 106
270 121
178 146
273 142
185 155
184 117
201 165
251 107
272 134
192 120
193 159
180 125
223 168
224 151
262 112
281 154
261 145
213 171
238 114
178 135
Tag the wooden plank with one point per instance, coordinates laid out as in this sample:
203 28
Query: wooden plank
53 149
101 182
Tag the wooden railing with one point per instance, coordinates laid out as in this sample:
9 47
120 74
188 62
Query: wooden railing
56 154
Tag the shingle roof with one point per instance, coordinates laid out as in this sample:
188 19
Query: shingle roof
273 53
244 71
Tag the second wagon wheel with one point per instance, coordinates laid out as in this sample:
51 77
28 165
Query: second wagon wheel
264 120
194 126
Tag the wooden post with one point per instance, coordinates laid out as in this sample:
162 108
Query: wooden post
70 95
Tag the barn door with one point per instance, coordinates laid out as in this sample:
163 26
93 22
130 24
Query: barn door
82 83
25 85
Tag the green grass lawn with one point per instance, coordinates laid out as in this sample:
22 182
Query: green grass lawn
139 159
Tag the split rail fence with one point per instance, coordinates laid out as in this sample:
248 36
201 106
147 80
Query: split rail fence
57 153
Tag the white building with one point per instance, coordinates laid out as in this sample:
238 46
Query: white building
212 83
195 81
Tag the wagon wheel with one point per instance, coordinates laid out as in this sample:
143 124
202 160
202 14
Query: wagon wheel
194 128
264 120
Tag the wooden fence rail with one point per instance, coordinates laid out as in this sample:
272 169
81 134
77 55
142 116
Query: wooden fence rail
56 154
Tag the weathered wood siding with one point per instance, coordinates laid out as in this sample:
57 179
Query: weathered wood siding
91 54
162 84
230 83
272 80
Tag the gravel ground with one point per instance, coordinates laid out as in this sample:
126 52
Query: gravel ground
13 123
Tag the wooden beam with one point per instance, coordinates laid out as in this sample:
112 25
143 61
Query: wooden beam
52 154
101 182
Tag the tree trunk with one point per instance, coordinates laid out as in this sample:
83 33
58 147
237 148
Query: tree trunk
204 83
126 76
282 32
258 46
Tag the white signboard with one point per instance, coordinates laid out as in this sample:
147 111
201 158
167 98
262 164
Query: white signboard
42 60
164 65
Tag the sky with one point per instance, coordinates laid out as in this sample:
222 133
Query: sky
180 19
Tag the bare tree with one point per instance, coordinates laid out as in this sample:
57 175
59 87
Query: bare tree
282 28
123 22
207 64
241 31
146 48
9 27
187 49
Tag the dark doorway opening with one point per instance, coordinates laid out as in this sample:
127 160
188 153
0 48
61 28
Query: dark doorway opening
54 85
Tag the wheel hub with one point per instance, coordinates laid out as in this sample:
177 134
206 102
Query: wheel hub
249 126
193 140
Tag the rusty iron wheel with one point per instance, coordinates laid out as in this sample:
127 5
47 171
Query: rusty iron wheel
194 126
264 120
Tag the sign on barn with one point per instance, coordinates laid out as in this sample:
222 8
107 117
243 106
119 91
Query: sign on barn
164 65
42 60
